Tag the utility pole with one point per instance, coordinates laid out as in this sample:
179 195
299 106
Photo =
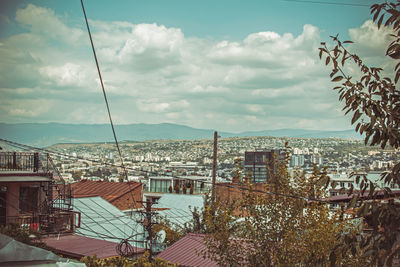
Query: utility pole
214 171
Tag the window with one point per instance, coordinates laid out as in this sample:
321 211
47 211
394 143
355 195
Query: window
28 199
341 184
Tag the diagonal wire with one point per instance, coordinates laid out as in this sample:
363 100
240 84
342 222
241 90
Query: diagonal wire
104 91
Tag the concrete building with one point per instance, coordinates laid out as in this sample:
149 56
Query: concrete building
261 164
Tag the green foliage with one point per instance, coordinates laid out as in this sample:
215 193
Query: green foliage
173 232
275 229
143 261
374 102
77 175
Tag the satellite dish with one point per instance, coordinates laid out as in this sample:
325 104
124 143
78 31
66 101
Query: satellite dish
160 236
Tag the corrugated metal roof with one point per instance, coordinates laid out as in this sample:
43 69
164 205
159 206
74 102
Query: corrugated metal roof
102 220
178 207
186 251
14 253
107 190
77 246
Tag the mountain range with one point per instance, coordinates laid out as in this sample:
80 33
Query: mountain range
46 134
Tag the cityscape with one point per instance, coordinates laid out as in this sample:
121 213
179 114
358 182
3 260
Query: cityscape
195 157
200 133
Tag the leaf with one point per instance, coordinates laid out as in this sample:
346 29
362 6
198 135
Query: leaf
337 79
328 59
353 202
356 116
361 210
344 57
396 78
380 21
358 126
371 189
378 10
348 42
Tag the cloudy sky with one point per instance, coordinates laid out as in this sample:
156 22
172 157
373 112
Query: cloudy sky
228 65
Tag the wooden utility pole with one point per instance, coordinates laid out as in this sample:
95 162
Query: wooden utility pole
214 171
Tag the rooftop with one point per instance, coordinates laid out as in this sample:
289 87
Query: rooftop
107 190
102 220
186 251
177 207
77 246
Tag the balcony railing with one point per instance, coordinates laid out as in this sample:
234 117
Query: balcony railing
45 223
24 161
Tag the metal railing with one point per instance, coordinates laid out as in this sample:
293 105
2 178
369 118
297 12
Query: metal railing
24 161
45 223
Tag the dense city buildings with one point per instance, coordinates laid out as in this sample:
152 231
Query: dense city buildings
194 157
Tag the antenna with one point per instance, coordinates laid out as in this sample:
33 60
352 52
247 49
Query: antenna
160 236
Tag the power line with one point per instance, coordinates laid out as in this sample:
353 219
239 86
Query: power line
328 3
177 177
104 91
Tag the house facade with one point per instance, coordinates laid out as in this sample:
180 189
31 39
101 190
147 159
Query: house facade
32 193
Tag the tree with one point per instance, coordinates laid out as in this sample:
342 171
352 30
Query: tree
374 102
143 261
288 226
77 175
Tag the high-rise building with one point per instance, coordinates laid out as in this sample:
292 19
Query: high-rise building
260 164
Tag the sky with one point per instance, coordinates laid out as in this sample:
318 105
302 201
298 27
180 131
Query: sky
225 65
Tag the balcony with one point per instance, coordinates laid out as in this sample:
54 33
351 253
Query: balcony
32 162
33 194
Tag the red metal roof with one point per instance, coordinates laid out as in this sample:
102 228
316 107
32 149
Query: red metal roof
186 251
77 246
107 190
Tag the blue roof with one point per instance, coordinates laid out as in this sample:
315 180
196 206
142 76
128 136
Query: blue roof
102 220
179 207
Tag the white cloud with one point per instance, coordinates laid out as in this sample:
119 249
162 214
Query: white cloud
369 40
68 74
45 22
153 74
25 108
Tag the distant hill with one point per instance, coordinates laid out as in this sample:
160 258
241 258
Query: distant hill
45 134
346 134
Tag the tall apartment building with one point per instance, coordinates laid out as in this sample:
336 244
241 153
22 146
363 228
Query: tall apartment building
260 164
